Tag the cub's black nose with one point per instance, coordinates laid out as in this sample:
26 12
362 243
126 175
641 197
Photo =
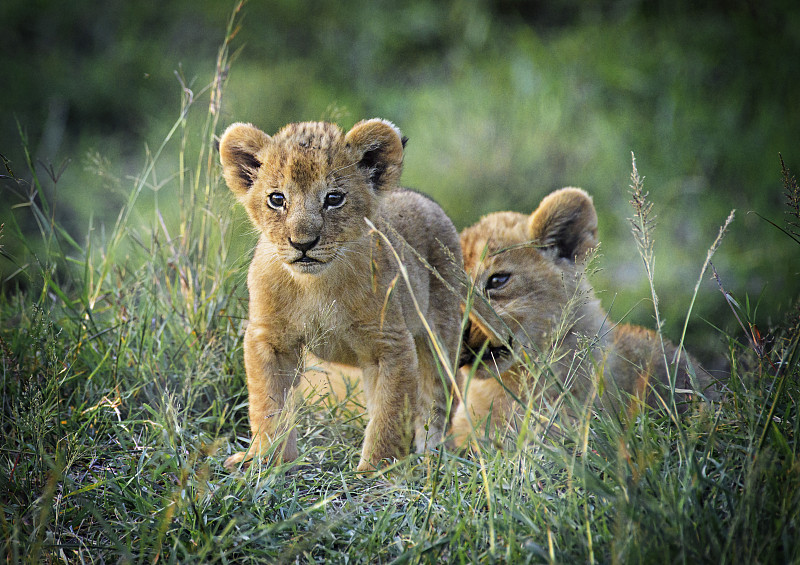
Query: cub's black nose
303 247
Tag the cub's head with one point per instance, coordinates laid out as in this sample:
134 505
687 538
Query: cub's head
528 267
308 188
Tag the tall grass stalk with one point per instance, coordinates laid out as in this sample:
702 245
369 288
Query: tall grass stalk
713 249
447 365
643 223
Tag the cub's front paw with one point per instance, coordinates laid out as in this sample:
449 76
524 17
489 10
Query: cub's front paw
285 453
376 467
232 463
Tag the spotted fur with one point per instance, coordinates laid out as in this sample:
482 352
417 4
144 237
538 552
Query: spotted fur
322 280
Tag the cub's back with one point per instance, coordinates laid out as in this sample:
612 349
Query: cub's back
421 222
636 360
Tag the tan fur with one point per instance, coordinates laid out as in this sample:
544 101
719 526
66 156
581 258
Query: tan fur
332 383
321 280
545 308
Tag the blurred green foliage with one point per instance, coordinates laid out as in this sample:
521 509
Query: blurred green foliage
503 101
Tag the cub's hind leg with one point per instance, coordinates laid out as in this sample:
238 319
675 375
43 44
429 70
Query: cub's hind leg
430 419
439 373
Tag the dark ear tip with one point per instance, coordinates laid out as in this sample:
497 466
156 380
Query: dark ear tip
404 140
216 143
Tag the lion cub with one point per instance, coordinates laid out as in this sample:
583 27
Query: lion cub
322 280
531 270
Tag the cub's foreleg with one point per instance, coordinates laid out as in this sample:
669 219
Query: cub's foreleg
390 387
270 378
484 399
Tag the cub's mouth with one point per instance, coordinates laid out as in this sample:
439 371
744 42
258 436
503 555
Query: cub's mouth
491 356
306 265
484 347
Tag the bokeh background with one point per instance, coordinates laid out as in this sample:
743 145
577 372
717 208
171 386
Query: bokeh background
503 101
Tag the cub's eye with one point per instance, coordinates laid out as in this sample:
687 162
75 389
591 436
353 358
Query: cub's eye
497 280
334 199
276 200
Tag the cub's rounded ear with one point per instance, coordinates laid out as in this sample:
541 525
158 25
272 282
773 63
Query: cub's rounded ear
378 148
565 221
239 148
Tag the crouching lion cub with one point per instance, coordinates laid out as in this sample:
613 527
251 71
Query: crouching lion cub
531 270
321 279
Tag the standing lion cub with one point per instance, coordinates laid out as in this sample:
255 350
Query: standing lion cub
322 280
531 271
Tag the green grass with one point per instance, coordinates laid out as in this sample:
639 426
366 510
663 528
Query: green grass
122 392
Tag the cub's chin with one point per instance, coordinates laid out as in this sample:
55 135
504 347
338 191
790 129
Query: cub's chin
307 266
